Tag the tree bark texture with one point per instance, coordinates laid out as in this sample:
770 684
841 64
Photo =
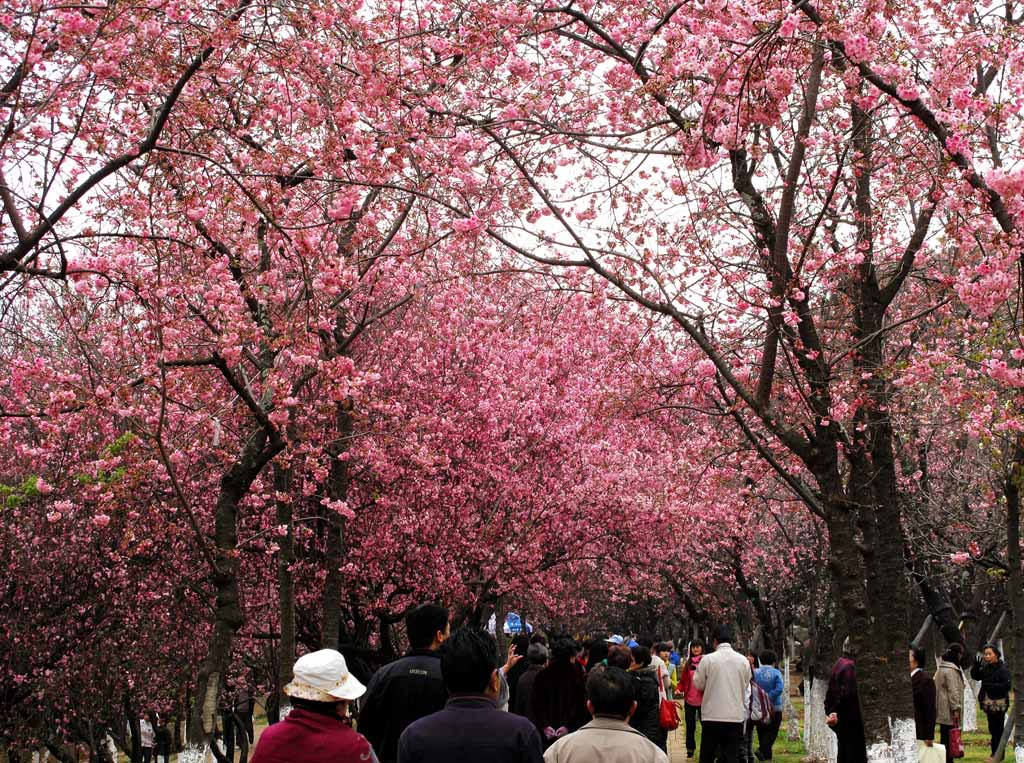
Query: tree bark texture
337 490
256 452
285 582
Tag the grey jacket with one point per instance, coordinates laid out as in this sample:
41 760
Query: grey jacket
949 692
608 740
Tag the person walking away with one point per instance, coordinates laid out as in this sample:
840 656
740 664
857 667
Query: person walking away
520 646
842 707
647 716
949 694
407 689
536 659
747 742
598 654
724 677
608 737
558 705
470 727
923 688
990 669
147 738
692 696
317 730
770 679
161 739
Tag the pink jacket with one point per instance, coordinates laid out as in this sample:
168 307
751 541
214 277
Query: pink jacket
691 694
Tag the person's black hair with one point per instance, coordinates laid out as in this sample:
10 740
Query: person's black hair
693 644
645 640
918 655
619 656
422 624
521 643
563 648
312 706
662 646
537 654
598 653
768 657
468 660
954 653
641 654
611 691
994 648
724 634
539 638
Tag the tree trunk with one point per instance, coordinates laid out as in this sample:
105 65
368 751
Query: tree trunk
228 618
337 490
1015 585
285 584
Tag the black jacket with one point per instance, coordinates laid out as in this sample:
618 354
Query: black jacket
559 697
647 718
471 729
398 694
925 713
995 680
524 691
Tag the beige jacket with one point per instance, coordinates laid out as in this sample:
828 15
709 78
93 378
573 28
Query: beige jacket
608 740
724 677
949 692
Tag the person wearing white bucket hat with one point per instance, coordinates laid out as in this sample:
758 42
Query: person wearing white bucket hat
317 729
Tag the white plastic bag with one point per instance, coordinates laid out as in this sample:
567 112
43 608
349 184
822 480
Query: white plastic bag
934 754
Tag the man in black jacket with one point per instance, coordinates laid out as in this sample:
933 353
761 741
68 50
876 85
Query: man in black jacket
471 727
407 689
923 687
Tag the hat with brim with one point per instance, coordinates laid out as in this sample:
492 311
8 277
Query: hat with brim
323 676
618 640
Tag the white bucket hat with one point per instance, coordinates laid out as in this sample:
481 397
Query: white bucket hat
323 677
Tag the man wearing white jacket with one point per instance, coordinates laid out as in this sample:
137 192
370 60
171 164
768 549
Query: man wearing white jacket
724 677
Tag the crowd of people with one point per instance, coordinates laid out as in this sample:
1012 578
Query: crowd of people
614 699
938 700
553 699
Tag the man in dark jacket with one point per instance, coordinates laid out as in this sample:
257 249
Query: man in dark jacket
537 658
923 688
407 689
470 727
520 646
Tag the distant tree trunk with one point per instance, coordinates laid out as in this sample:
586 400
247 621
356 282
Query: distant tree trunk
938 603
337 490
285 583
257 451
1015 585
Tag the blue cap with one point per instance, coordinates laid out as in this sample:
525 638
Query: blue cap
632 643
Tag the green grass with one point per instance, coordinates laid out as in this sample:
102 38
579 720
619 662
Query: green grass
976 743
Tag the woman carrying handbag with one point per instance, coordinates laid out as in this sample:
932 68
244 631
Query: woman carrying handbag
949 700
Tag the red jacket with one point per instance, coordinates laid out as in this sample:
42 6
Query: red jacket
306 737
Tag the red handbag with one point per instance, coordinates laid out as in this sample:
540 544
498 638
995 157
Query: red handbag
668 711
956 743
668 715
